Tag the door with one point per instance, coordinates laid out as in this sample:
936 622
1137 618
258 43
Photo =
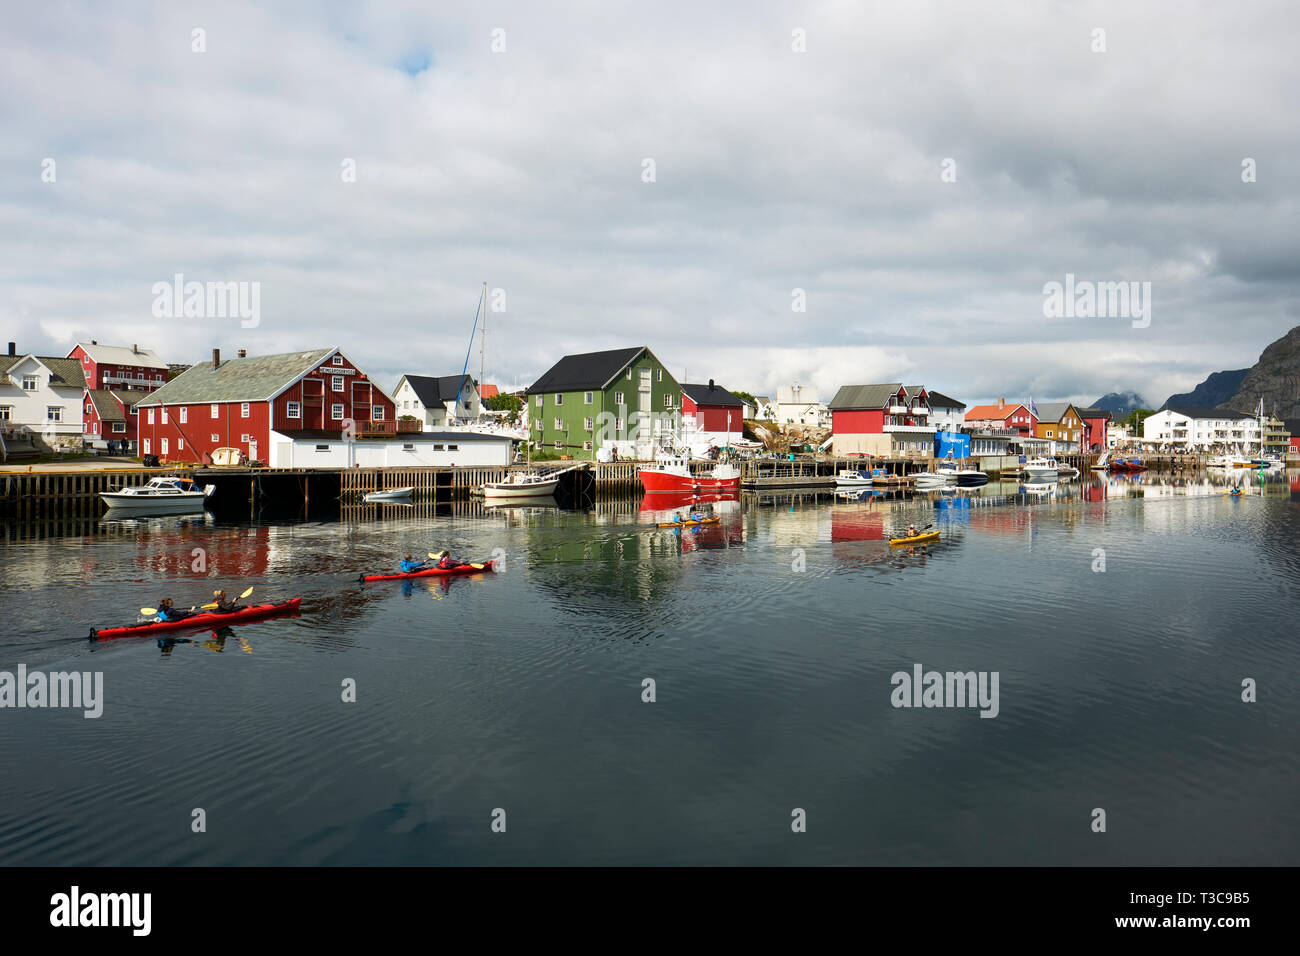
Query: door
252 450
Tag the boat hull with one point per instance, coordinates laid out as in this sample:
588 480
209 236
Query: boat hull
655 481
687 524
393 494
154 504
972 480
429 573
255 612
541 489
918 539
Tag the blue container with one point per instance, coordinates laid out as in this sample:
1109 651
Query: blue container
951 445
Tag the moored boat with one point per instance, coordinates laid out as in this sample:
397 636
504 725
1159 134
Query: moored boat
1041 469
853 478
522 485
162 495
672 472
391 494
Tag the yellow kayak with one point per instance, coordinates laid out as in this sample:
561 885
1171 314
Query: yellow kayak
687 524
916 539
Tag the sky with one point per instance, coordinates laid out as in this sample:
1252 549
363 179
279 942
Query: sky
913 174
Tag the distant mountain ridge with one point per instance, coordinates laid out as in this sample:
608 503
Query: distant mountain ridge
1217 388
1275 378
1120 404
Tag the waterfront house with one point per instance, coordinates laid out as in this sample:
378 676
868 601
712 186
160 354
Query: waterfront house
486 391
110 415
256 404
1095 427
711 415
40 395
798 405
883 420
318 448
1062 423
437 401
618 399
1293 437
1015 417
764 408
1202 429
946 414
114 367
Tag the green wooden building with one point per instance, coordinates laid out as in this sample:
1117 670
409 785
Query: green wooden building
620 399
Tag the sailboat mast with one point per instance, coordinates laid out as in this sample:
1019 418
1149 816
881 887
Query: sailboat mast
482 351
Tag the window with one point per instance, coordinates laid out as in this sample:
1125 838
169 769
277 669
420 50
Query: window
668 400
158 379
408 446
293 410
148 416
119 427
629 373
377 413
338 360
146 450
661 374
1049 433
54 413
336 412
586 398
559 446
406 403
29 383
559 398
322 448
586 446
539 401
618 398
453 448
539 424
243 410
618 425
212 410
185 414
438 446
559 424
85 360
244 437
180 444
337 383
87 409
586 424
164 446
215 438
163 413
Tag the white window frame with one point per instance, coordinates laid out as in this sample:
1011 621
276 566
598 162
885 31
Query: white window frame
31 383
559 424
293 410
618 398
586 446
377 412
148 416
660 376
54 414
162 445
243 410
338 360
668 400
215 438
180 444
163 417
146 447
539 400
336 412
119 428
559 398
587 424
185 415
336 383
214 410
586 398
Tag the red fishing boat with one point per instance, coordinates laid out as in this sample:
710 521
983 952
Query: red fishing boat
671 472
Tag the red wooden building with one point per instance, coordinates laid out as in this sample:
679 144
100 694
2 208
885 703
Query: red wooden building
110 415
714 408
1096 421
1015 417
885 420
238 403
113 367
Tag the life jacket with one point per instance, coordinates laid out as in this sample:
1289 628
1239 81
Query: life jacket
446 562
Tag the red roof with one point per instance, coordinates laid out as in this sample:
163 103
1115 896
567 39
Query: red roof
983 413
487 391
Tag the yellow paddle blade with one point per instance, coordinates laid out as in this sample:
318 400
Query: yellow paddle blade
479 567
247 592
148 610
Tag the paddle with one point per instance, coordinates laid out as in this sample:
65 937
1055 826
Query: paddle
921 530
154 610
463 564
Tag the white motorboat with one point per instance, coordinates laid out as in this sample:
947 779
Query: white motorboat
522 484
853 478
941 477
390 494
162 495
962 477
1041 469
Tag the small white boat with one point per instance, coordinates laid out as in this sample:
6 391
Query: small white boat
929 480
1041 469
390 494
162 495
853 478
962 477
522 484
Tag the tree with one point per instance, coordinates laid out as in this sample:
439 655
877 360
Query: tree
502 402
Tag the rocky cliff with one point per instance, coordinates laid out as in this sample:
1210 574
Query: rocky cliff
1274 378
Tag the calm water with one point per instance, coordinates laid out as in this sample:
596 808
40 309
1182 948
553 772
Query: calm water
523 690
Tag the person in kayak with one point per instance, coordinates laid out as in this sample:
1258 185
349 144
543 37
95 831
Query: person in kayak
409 565
445 561
168 612
224 604
911 531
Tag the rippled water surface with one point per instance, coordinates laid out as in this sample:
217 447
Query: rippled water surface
523 690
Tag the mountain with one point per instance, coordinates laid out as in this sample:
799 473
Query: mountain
1119 404
1214 391
1274 378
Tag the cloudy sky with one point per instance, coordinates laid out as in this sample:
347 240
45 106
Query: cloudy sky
507 143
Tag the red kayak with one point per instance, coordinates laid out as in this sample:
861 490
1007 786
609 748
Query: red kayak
254 612
477 568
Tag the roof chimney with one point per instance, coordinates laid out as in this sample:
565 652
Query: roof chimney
710 385
241 354
13 348
1001 402
216 358
94 341
135 349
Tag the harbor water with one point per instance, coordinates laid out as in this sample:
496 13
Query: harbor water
622 694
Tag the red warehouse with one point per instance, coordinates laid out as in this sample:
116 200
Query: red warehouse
715 411
238 403
118 367
110 415
888 419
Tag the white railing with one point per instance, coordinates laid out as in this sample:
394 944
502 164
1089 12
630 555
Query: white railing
910 428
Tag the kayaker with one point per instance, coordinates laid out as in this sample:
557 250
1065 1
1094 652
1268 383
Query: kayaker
224 604
445 562
911 531
168 612
409 565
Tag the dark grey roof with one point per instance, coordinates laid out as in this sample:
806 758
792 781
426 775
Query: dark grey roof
108 409
588 370
437 390
715 395
252 379
1050 411
864 396
1209 413
1094 413
940 400
319 434
64 372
